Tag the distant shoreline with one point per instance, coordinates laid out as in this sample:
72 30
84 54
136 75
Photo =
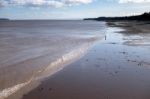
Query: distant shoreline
142 17
7 19
4 19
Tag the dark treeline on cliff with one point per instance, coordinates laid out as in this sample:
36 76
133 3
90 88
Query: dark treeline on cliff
143 17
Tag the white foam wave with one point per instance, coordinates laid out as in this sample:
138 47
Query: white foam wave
8 91
50 70
59 64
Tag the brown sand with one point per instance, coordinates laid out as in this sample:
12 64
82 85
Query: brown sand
34 49
111 70
20 65
132 27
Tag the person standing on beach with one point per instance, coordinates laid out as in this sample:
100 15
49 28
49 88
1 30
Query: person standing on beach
105 37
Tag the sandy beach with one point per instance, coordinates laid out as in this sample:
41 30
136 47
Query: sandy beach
95 60
117 67
74 49
33 50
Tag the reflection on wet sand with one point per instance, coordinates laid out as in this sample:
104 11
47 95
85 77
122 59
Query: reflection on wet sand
135 33
110 70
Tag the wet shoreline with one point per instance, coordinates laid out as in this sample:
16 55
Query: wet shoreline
115 67
31 54
110 70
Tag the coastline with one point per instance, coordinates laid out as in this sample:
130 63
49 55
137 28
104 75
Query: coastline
32 50
138 30
48 70
110 70
85 66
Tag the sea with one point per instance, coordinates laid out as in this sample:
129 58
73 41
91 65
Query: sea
31 50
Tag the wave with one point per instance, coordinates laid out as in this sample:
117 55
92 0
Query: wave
8 91
51 69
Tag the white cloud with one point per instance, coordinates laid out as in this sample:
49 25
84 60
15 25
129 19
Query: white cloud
55 3
134 1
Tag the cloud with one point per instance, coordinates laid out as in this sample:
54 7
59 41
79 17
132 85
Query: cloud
54 3
134 1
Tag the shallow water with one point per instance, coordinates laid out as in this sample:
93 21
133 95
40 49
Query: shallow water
29 48
110 70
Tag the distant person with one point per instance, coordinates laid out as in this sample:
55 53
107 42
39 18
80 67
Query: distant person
105 37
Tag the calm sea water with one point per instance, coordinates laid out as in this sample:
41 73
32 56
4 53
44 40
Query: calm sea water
30 48
117 67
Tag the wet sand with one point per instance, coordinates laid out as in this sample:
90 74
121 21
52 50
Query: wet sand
136 33
33 50
114 68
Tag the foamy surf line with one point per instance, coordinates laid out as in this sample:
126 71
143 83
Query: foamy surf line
8 91
54 67
59 64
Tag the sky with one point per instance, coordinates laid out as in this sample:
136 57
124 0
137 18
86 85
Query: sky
70 9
